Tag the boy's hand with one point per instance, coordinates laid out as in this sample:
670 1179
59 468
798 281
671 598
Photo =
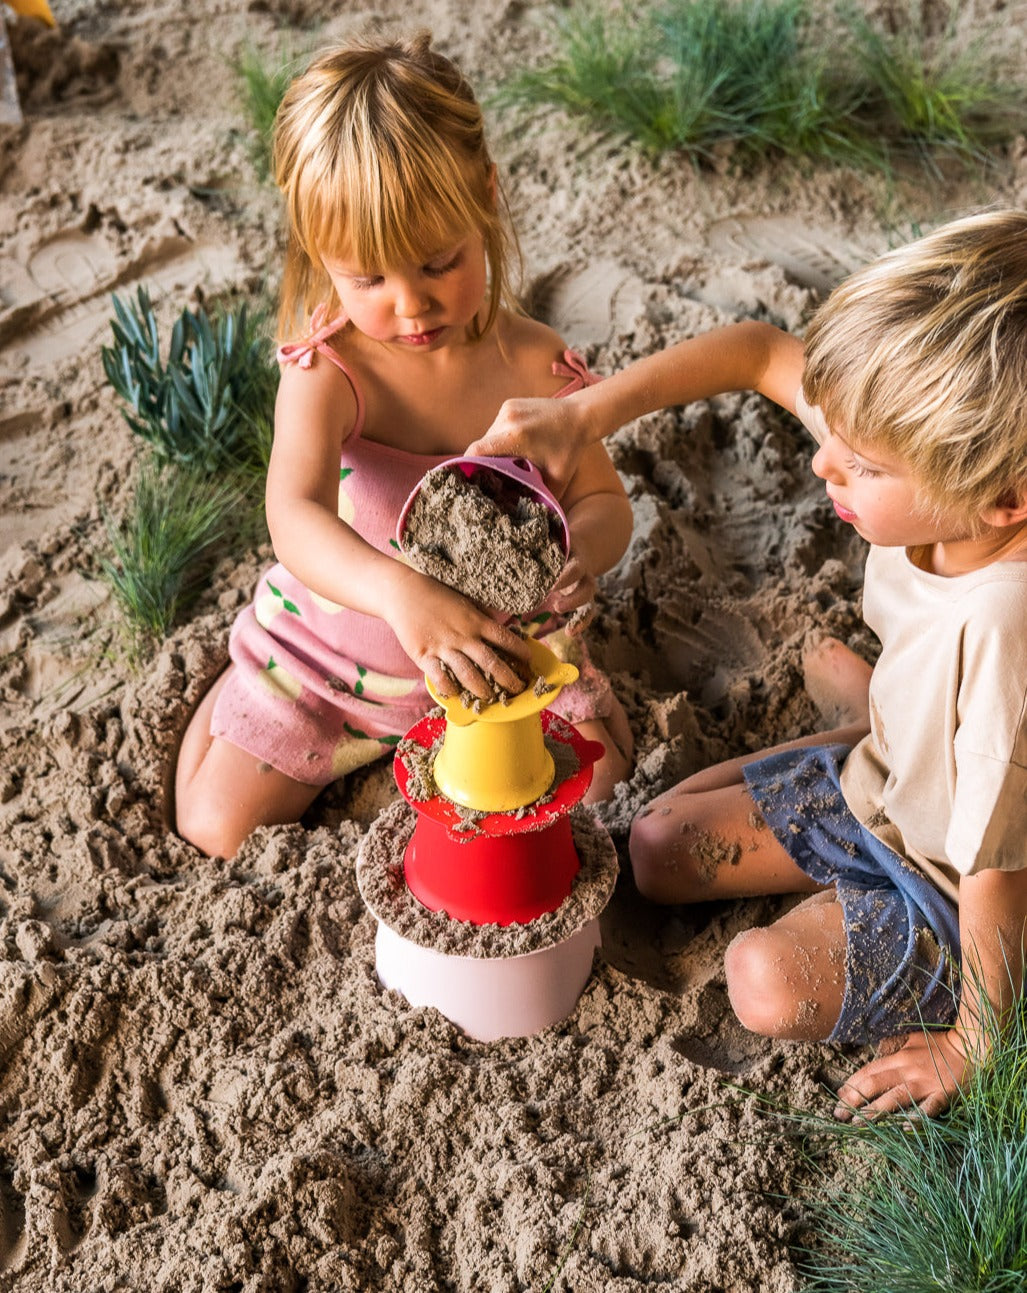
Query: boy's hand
550 433
437 626
926 1071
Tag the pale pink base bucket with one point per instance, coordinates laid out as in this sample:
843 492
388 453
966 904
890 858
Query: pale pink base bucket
490 997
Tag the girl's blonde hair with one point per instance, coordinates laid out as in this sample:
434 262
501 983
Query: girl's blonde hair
380 153
924 354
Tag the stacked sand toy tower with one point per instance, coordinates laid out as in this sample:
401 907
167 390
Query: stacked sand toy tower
487 878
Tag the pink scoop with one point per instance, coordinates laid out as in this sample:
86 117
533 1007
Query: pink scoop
526 475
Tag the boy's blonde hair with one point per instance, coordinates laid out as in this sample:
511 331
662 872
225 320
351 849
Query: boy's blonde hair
380 153
924 354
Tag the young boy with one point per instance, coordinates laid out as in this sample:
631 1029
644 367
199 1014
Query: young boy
908 826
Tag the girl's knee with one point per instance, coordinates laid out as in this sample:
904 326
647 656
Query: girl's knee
615 764
206 825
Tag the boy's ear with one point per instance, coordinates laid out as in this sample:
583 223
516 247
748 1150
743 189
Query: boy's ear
1010 509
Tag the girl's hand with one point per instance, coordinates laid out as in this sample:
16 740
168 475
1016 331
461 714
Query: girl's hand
550 433
926 1071
574 589
437 626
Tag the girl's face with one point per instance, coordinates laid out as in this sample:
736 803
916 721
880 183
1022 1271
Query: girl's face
417 306
875 493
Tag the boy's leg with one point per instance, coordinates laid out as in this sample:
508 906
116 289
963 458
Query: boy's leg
788 979
706 839
222 793
837 680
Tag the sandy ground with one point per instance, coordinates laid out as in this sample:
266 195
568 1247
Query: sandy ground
203 1087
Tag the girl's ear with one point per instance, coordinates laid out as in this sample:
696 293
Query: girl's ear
1011 509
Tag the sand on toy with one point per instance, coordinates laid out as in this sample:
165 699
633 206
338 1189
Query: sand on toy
487 537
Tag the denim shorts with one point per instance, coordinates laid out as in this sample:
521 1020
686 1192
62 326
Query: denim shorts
902 934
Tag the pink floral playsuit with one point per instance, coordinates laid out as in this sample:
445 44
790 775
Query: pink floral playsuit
318 689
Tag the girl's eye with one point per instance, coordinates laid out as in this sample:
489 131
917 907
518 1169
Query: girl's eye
364 284
437 271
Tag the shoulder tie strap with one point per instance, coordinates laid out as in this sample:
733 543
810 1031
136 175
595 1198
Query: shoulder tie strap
573 367
302 352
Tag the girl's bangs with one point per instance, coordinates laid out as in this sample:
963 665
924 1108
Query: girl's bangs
378 220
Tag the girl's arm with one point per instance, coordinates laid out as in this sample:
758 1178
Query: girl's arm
315 411
554 433
931 1066
600 520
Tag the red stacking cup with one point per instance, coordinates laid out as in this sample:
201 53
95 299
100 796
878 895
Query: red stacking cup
505 868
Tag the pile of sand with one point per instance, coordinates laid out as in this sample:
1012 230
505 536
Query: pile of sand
486 536
203 1089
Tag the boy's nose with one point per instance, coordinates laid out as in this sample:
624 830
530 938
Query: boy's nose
823 464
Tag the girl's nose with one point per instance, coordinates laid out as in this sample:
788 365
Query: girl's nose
410 301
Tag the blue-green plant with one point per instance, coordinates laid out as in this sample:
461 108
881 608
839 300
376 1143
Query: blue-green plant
917 1204
199 405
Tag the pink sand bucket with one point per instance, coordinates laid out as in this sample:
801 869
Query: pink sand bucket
525 475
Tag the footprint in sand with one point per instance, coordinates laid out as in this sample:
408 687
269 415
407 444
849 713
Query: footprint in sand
12 1221
813 258
588 305
56 300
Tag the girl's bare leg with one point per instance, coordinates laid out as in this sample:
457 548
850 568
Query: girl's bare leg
837 680
614 734
222 793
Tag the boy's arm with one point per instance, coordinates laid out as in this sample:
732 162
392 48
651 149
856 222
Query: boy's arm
932 1065
554 433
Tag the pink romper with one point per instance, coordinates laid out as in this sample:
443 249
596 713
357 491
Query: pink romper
318 689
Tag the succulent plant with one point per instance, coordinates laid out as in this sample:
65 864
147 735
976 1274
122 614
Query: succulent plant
201 406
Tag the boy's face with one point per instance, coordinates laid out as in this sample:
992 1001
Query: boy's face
875 493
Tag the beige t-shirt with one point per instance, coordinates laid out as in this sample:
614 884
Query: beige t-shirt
942 777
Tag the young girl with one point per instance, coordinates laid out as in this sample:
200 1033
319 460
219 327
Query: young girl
397 260
908 826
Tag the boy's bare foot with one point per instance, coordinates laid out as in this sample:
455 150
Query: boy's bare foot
837 681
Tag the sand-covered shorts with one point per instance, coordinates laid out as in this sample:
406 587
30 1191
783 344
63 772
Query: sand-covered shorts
902 934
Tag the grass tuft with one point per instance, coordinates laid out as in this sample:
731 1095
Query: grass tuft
262 81
923 1204
932 90
693 75
162 549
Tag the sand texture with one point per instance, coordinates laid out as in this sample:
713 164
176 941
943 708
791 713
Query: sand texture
486 536
202 1087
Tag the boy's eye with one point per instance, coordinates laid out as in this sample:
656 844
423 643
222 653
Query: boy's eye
861 469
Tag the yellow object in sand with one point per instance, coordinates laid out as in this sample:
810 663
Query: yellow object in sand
496 760
33 9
